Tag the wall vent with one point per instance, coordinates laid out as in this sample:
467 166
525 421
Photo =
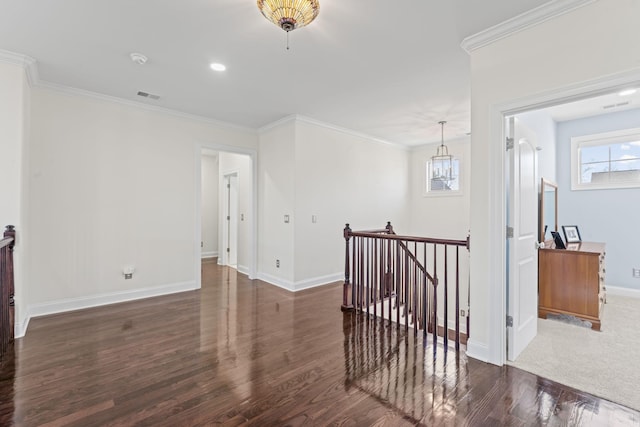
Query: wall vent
620 104
148 95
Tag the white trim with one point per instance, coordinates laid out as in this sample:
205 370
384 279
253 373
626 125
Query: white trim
477 350
318 281
279 122
496 304
253 155
210 254
276 281
303 284
623 292
79 303
521 22
20 328
346 131
28 63
85 93
599 139
243 269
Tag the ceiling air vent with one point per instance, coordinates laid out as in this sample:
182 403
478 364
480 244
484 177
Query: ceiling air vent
148 95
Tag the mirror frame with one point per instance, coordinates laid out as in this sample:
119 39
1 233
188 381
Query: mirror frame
544 184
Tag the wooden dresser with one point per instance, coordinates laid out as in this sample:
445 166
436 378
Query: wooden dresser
571 281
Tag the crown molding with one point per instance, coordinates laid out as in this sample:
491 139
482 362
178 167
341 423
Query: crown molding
85 93
521 22
30 66
279 122
28 63
346 131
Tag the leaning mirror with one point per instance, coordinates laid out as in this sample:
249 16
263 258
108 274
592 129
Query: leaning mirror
548 215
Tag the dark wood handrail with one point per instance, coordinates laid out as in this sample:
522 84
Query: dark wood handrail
6 241
398 276
412 239
6 289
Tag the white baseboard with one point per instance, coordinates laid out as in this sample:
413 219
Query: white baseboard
20 328
318 281
623 292
71 304
213 254
277 281
301 285
243 269
477 350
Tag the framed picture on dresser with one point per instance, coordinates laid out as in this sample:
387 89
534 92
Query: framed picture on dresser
571 234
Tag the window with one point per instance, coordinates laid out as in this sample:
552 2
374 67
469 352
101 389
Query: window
438 185
606 160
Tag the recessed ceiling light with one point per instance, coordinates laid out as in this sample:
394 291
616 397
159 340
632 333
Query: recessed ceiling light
218 67
138 58
627 92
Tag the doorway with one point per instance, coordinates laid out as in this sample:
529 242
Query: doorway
237 167
552 168
230 220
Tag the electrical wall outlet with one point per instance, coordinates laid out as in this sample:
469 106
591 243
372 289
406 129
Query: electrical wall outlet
636 273
277 263
127 271
286 219
463 313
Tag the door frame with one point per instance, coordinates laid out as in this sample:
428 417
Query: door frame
497 303
253 252
226 211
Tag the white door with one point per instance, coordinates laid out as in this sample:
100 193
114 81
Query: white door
522 287
230 228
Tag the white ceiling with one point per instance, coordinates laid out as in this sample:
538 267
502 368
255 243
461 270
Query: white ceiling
391 70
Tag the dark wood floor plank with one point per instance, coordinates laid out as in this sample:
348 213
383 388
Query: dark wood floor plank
242 352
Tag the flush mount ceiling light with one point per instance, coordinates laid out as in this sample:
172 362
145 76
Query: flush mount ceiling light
289 14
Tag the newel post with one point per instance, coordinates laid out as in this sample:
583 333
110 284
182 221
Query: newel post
9 277
347 284
389 228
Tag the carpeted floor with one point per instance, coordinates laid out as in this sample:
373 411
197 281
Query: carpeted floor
605 364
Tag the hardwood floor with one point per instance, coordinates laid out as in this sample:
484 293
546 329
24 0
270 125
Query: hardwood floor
241 352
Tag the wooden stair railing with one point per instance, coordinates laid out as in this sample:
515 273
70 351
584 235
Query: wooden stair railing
398 277
7 318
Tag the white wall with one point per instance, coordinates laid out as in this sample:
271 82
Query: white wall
342 178
576 49
240 164
14 152
308 168
602 215
209 191
113 185
443 216
276 198
440 215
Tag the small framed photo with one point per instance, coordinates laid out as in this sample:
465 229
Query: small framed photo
558 240
571 233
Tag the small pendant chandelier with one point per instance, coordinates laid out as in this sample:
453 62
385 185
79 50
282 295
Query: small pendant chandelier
289 14
442 164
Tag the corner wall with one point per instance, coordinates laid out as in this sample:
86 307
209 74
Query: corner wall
14 152
112 184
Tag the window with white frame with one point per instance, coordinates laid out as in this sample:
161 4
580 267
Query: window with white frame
606 160
439 183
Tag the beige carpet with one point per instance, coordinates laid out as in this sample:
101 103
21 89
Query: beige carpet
605 364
